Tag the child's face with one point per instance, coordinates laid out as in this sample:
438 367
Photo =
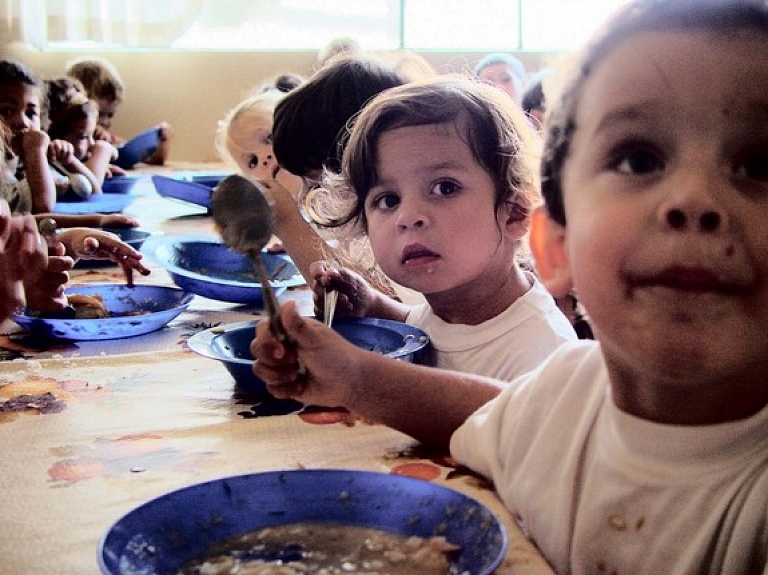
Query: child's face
19 111
250 144
666 198
431 217
80 135
501 76
107 109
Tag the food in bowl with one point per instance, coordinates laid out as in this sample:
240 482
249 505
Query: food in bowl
328 548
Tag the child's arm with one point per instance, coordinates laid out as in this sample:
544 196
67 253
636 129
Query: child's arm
356 296
100 156
90 220
426 403
160 155
63 152
37 171
86 243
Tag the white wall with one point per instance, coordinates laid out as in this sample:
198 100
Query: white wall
193 90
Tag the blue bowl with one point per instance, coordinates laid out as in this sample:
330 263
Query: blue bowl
156 305
160 536
96 204
193 190
138 148
205 266
230 344
119 184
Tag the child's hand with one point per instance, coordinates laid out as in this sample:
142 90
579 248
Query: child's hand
44 285
20 252
356 296
33 142
114 170
165 131
61 151
116 221
328 358
86 243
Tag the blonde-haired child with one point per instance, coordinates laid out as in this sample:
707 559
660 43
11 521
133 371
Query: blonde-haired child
645 451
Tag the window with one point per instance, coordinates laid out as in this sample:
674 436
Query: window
280 25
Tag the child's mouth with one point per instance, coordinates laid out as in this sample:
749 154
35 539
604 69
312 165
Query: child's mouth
418 255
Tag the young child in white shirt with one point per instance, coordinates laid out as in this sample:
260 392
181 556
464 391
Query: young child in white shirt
441 176
645 451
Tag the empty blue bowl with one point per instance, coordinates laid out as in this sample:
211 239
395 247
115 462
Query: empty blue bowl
119 184
205 266
135 311
138 148
230 344
191 189
96 204
160 536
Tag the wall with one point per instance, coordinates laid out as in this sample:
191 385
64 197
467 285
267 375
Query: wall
193 90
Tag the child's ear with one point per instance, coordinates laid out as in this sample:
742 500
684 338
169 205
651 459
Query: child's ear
547 241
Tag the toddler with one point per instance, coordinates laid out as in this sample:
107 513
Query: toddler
503 71
72 118
26 150
104 85
645 451
450 222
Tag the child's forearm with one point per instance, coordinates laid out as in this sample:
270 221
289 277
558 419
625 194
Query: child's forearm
385 307
102 153
41 184
75 166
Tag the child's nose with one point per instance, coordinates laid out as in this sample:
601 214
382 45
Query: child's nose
697 207
411 215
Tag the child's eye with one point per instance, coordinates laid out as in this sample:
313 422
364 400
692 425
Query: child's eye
385 201
444 188
253 161
637 160
753 166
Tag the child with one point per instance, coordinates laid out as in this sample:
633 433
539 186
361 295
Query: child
26 153
72 118
503 71
308 133
643 452
450 221
103 84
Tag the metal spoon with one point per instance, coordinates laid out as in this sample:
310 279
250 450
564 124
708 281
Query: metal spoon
246 222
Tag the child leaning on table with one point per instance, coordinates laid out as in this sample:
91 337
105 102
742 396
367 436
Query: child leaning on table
645 451
450 222
72 118
104 84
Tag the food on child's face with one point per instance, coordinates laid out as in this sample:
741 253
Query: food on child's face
88 307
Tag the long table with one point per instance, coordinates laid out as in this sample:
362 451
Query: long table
90 430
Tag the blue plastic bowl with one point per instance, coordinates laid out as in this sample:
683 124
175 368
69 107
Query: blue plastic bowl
160 536
230 344
161 304
138 148
96 204
204 265
192 189
119 184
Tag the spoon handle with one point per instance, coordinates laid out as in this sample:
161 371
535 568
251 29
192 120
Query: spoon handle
268 295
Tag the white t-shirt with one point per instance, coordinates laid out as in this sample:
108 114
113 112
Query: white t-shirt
504 347
601 491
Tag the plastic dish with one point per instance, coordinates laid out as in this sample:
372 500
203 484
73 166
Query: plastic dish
193 190
156 306
205 266
230 344
119 184
138 148
96 204
160 536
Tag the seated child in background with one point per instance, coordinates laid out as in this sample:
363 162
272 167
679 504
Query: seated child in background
503 71
104 85
533 100
450 222
244 139
308 138
26 154
72 118
645 451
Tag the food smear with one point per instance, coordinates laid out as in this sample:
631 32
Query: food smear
324 549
